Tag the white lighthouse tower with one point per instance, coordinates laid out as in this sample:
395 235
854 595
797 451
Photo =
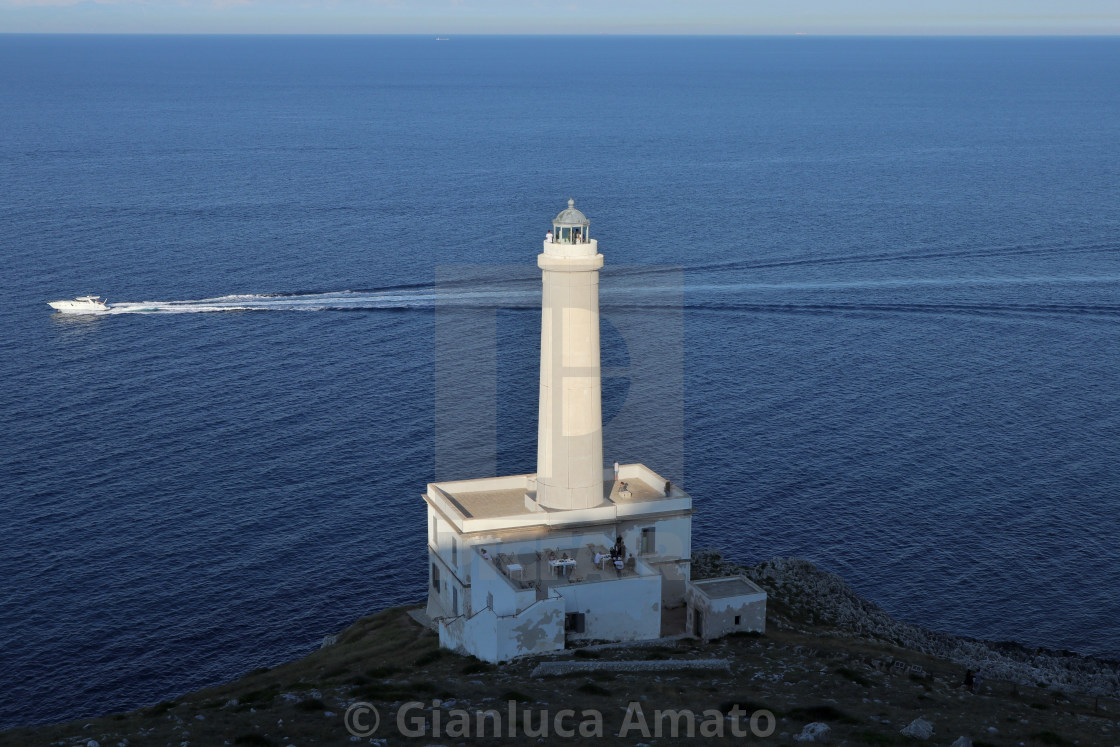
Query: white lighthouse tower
570 425
527 564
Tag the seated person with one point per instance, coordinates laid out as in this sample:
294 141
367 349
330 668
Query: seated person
552 556
485 555
618 564
599 558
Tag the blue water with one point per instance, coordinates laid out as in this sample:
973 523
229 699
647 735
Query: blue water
901 322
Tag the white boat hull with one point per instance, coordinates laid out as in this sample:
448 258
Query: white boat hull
79 306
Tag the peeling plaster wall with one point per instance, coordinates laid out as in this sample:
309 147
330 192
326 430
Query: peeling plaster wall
620 610
496 638
537 630
466 635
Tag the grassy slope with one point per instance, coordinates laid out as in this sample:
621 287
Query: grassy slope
802 676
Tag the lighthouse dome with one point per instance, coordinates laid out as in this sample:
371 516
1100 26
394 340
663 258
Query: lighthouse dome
571 216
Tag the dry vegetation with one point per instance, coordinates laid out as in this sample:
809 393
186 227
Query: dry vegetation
801 675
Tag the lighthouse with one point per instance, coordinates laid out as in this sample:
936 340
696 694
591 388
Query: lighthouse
570 424
577 551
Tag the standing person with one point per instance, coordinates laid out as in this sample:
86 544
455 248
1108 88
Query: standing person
668 488
548 237
616 471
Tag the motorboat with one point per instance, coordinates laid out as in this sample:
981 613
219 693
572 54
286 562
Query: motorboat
81 305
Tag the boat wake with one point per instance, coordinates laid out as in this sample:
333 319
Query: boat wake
648 293
406 298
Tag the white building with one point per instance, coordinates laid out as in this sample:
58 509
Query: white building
513 566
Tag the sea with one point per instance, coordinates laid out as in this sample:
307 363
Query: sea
886 270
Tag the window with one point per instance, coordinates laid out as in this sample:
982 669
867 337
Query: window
435 576
574 622
490 599
454 552
454 600
648 541
737 619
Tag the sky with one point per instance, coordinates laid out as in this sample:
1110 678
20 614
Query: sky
446 17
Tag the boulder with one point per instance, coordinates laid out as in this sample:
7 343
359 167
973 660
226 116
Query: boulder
962 742
814 732
919 728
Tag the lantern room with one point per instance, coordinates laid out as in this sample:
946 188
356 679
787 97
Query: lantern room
571 226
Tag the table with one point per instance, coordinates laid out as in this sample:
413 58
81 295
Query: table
562 566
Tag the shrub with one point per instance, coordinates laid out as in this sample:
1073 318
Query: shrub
262 696
877 738
379 672
253 740
821 713
300 685
429 657
161 708
592 689
746 706
854 676
477 667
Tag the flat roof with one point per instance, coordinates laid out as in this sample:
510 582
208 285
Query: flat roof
722 588
493 497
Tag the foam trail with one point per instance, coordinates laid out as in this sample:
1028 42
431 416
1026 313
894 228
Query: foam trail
527 295
335 301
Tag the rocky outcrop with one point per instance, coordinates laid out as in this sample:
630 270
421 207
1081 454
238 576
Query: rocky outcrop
815 732
919 728
825 599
